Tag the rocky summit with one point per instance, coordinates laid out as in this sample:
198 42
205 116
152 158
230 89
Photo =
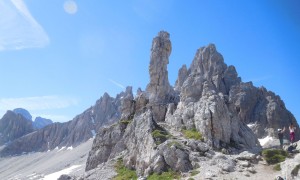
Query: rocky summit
208 114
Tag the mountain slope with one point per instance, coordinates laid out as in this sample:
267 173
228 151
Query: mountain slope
72 133
13 126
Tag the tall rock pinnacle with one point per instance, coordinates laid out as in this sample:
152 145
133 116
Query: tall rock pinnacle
159 88
159 85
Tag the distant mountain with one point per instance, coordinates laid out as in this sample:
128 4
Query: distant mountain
40 122
24 113
13 126
17 123
106 111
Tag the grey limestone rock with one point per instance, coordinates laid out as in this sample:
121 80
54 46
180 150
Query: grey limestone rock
176 158
159 89
104 145
182 75
262 110
127 104
208 98
13 126
245 155
223 162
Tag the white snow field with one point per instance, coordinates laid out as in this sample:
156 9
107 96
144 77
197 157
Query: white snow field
46 165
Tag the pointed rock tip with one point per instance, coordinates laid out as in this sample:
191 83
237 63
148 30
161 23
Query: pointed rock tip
164 34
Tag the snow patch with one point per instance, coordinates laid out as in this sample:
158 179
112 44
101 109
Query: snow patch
56 175
61 149
70 148
263 141
93 132
93 120
251 125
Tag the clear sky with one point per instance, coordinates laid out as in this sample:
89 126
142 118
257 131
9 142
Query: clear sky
58 57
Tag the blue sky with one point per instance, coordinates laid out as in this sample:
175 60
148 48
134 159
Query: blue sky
58 57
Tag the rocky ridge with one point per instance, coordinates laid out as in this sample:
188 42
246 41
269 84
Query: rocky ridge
13 126
208 98
106 111
17 123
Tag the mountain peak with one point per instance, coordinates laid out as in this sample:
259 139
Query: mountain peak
23 112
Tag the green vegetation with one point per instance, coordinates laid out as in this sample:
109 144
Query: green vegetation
192 134
175 143
277 167
123 172
159 136
170 175
191 179
273 156
295 170
126 122
194 172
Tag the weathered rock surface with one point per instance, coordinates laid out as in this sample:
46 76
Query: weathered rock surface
209 98
264 111
290 168
13 126
159 90
204 102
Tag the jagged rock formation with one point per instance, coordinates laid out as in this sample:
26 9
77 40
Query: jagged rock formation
208 97
159 90
262 110
13 126
17 123
40 122
106 111
204 102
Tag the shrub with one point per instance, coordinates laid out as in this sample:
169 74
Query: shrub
124 172
170 175
273 156
159 136
126 122
277 167
194 172
295 170
175 143
192 134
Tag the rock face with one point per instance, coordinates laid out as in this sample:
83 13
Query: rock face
159 89
209 98
13 126
204 102
40 122
262 110
106 111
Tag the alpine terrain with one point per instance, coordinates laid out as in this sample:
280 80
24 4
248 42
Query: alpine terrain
207 126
